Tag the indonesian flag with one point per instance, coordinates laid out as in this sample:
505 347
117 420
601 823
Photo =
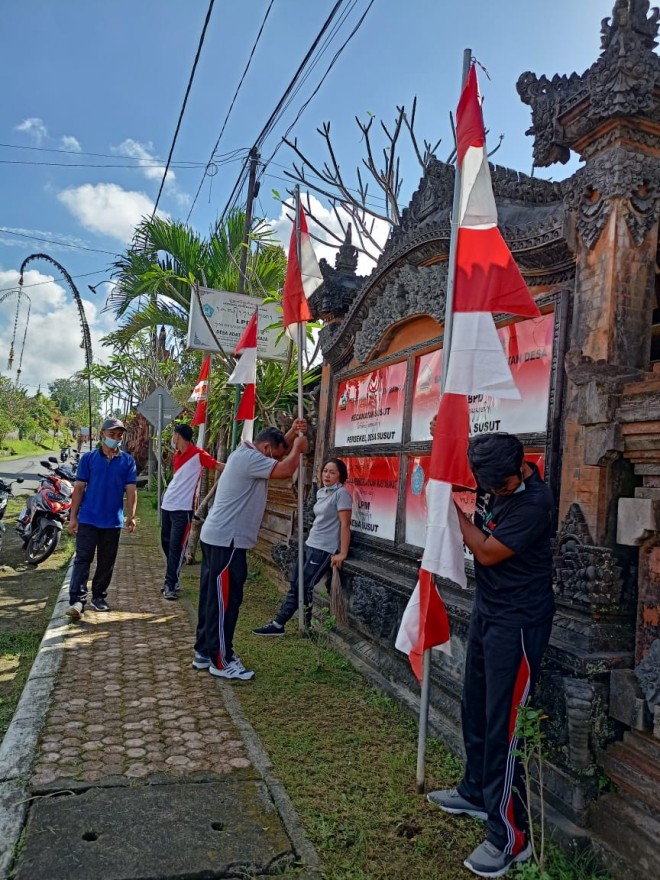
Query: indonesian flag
201 392
245 373
302 279
488 282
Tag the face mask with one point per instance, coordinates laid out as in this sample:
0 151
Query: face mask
111 443
521 488
173 444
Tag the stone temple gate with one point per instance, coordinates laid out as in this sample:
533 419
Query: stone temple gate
589 372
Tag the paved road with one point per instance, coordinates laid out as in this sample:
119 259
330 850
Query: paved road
27 467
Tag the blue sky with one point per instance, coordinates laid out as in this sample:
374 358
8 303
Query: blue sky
108 78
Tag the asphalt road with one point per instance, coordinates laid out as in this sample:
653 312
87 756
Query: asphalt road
27 467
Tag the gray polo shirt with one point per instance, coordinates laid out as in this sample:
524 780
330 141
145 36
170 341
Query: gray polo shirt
326 529
240 500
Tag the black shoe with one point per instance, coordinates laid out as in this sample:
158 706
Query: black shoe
270 629
99 605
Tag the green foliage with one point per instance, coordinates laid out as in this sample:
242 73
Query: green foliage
33 418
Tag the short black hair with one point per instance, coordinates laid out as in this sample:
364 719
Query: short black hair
273 436
494 458
341 467
184 431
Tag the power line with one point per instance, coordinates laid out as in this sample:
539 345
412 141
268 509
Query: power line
103 155
183 106
233 198
79 247
231 107
41 283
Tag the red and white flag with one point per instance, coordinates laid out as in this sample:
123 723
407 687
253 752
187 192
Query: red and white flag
302 278
245 373
201 392
488 282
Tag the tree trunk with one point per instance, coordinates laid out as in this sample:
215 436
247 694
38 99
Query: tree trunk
196 525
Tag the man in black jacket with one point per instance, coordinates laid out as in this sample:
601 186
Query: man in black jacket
510 626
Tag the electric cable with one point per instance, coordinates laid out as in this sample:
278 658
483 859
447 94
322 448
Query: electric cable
233 198
103 155
231 107
54 280
183 106
78 247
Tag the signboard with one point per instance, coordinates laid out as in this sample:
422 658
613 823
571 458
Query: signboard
374 485
369 408
528 347
228 315
149 407
418 473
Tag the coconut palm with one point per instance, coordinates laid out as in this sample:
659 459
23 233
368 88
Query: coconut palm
154 277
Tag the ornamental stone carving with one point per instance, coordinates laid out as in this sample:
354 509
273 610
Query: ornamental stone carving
579 696
620 175
621 83
409 291
648 676
586 576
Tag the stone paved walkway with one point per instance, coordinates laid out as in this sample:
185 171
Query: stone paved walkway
127 702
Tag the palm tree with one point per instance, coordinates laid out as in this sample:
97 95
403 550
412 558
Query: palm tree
155 276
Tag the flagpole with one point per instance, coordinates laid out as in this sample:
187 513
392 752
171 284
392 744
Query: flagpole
301 414
446 348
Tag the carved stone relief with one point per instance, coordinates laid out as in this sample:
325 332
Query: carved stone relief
579 696
648 676
585 575
618 175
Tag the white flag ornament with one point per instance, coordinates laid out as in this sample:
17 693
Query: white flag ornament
303 277
245 373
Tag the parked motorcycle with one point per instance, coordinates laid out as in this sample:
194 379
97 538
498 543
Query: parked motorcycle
65 452
5 494
41 521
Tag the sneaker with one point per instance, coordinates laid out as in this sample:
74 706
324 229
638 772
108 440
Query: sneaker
99 605
235 670
75 611
270 629
451 801
200 661
488 861
169 594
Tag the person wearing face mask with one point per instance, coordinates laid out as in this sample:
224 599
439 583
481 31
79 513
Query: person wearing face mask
509 631
97 516
230 530
326 545
179 502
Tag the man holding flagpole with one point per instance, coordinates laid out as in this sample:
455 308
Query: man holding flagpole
509 631
230 530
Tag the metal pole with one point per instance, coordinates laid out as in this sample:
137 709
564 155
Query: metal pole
446 348
301 414
89 401
160 451
254 161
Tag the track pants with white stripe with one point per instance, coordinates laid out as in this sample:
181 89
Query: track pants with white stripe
221 582
174 534
501 671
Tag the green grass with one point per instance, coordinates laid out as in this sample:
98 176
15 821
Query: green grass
27 447
27 596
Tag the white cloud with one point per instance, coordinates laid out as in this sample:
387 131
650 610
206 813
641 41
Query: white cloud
282 231
107 208
70 143
152 167
35 127
52 347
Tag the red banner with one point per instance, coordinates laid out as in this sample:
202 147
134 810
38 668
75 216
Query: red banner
369 408
374 485
528 345
418 469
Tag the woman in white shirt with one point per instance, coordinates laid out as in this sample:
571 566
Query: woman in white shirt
326 545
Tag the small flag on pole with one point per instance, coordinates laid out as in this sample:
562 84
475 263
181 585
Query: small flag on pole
245 373
201 392
303 276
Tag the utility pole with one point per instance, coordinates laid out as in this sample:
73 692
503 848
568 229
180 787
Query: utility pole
251 195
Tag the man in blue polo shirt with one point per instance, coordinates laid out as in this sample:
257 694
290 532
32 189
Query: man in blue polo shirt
97 515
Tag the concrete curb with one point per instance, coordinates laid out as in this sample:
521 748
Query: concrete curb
20 742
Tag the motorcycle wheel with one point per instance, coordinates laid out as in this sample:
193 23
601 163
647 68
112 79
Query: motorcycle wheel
41 545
